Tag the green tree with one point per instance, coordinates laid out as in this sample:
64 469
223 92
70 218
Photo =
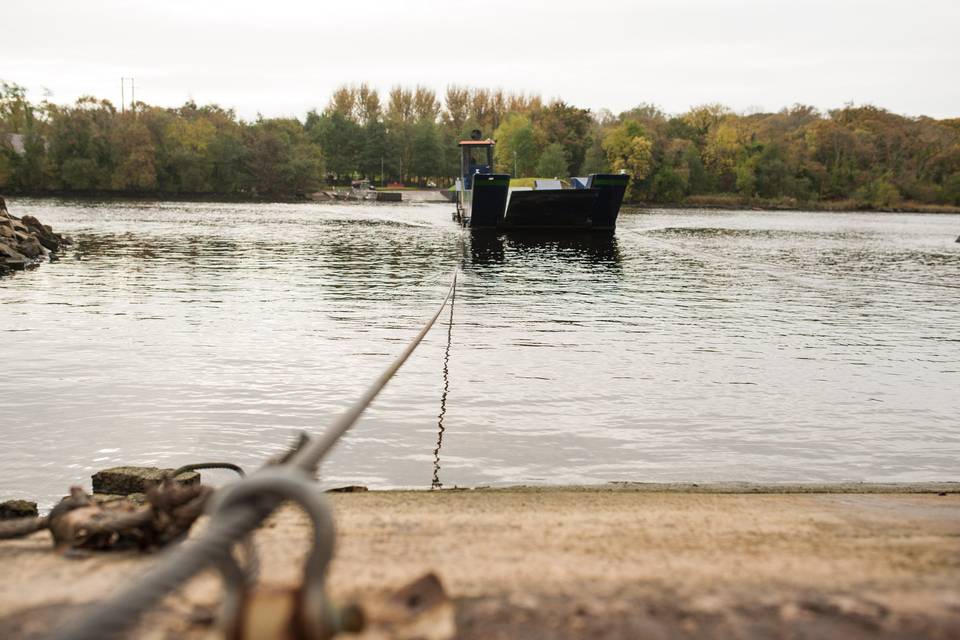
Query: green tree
746 178
225 152
400 118
568 126
517 146
879 193
135 158
26 168
279 159
427 157
81 144
373 149
340 139
81 174
595 160
697 179
951 189
186 143
773 173
553 161
668 185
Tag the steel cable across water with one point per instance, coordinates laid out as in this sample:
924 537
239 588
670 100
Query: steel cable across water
212 547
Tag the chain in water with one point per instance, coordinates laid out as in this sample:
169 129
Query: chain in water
436 484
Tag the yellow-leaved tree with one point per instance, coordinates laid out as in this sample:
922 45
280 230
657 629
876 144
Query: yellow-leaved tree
629 151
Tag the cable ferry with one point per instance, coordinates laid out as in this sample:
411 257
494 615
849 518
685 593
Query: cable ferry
485 200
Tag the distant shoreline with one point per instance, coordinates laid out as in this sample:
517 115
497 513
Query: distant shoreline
115 196
731 203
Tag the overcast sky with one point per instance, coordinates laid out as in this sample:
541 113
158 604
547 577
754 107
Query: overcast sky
284 57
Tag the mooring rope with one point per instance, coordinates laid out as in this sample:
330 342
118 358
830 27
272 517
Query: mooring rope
20 527
309 456
212 547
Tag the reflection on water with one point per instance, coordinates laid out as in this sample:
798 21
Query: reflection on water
595 248
690 346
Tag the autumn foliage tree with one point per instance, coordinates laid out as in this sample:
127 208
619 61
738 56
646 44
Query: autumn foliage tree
863 155
630 151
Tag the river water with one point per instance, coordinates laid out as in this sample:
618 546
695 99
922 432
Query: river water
693 346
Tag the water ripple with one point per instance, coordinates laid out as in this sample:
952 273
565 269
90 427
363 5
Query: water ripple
692 346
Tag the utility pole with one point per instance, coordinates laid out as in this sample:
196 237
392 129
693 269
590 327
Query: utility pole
515 165
382 185
123 95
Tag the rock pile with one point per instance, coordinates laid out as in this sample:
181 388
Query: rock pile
17 509
124 481
25 241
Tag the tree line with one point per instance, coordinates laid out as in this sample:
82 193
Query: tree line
864 154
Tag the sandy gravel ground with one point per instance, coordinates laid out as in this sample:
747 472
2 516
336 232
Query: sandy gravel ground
571 563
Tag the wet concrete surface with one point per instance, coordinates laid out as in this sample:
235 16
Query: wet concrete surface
582 562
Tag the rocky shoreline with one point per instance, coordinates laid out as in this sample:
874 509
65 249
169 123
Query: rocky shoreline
25 242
